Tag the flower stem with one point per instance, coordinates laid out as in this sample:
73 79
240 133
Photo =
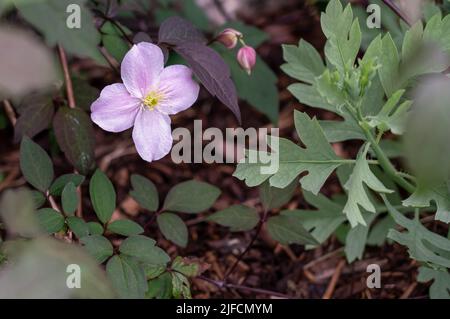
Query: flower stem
385 163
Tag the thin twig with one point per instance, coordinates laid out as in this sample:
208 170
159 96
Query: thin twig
10 112
67 79
223 284
238 260
397 11
332 285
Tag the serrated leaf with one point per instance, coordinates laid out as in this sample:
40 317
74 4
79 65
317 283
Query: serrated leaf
357 194
98 247
75 136
324 221
343 34
288 229
425 194
78 226
35 164
143 249
51 220
160 287
144 192
69 199
125 227
173 228
304 63
191 197
60 182
423 245
127 277
440 288
237 217
392 116
103 196
50 17
317 158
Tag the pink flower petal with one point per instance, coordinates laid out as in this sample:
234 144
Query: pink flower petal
152 135
141 67
115 109
178 88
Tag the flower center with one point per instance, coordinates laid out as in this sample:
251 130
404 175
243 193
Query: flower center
152 99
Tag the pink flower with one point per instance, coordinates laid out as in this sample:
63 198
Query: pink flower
246 57
148 95
229 37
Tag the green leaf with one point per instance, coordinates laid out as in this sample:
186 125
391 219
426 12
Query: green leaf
75 136
95 228
114 41
357 194
58 185
51 220
440 288
143 249
173 228
389 69
237 217
78 226
194 13
356 239
160 287
425 194
98 246
423 245
50 17
324 221
191 197
103 196
144 192
127 277
392 116
273 197
288 229
38 199
304 63
317 158
343 34
379 232
181 287
125 227
69 199
186 266
36 165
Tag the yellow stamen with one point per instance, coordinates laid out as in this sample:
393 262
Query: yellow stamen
152 99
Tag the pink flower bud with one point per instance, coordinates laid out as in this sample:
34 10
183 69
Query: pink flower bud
246 57
229 37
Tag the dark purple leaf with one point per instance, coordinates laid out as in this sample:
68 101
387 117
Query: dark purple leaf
36 114
75 136
212 71
142 37
176 31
